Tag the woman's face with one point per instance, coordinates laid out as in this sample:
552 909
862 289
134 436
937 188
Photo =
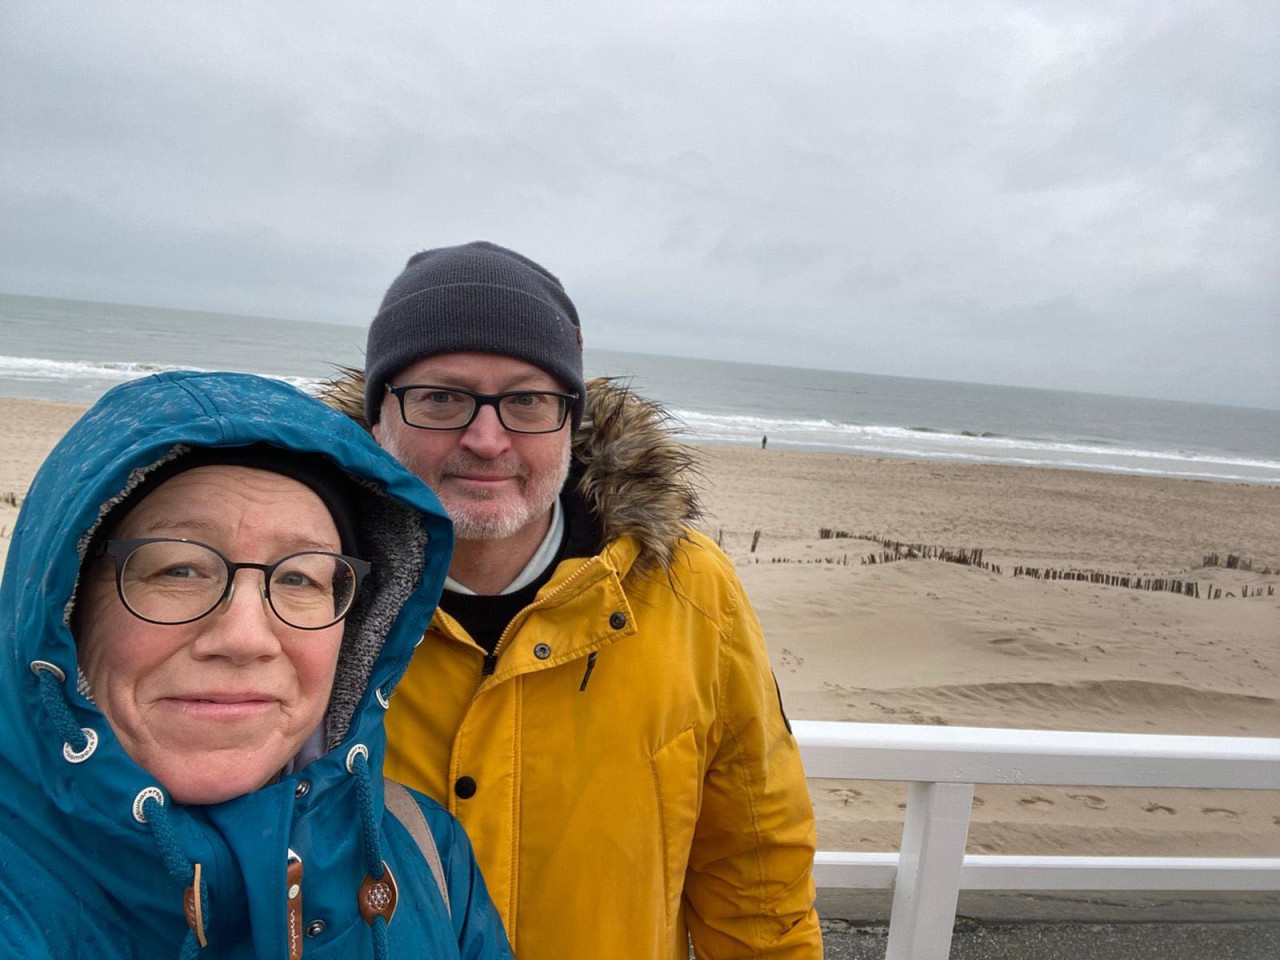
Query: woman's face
214 708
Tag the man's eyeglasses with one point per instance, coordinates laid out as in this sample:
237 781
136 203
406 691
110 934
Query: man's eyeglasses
431 407
172 581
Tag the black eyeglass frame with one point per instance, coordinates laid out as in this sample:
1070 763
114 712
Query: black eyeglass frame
120 550
567 401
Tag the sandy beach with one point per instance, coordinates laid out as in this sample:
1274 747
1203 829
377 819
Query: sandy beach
928 641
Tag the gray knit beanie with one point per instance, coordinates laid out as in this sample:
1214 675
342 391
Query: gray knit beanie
481 298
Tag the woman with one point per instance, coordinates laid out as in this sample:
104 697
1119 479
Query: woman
214 585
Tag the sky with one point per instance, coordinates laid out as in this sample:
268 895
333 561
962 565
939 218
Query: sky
1081 195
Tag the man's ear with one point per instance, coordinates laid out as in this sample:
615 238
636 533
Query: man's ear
376 430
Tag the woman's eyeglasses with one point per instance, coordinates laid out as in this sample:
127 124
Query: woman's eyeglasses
172 581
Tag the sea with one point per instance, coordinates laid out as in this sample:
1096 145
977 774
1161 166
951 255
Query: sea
71 350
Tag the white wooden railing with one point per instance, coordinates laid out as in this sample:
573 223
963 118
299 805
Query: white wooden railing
942 765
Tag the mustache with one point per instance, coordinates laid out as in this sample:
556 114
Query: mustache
467 465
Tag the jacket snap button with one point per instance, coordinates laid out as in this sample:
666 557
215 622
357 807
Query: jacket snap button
301 788
315 928
617 620
465 787
542 651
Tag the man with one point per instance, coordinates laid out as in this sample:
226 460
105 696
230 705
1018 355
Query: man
593 700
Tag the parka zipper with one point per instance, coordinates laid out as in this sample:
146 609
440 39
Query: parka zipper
490 663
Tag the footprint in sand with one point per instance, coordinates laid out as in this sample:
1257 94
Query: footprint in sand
1035 802
1221 812
1089 800
791 660
1158 808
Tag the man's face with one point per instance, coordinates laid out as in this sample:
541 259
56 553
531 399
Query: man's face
492 482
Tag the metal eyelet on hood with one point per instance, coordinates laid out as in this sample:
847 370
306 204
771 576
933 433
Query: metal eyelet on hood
359 750
44 666
80 756
152 793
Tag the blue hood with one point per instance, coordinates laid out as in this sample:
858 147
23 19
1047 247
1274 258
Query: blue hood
67 828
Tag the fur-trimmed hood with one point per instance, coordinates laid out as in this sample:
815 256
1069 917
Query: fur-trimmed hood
637 479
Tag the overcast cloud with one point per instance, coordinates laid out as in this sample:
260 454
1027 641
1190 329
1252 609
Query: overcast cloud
1080 195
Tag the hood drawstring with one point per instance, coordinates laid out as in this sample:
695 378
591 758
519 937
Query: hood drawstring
149 808
377 896
78 743
378 893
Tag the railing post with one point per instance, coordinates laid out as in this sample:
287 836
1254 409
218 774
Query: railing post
927 887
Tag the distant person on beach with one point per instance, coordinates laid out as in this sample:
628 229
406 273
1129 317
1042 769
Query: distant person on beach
593 699
213 586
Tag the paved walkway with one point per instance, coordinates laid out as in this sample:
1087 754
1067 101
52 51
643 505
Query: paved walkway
982 940
1073 926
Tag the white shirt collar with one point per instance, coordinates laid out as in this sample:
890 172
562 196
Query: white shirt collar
541 559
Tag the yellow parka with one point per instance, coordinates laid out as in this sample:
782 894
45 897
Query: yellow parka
625 772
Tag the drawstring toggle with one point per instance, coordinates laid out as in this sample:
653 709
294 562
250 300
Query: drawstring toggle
378 896
191 906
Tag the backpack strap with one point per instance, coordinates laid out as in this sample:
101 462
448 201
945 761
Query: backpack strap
405 809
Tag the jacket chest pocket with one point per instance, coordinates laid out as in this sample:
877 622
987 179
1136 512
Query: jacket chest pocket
677 777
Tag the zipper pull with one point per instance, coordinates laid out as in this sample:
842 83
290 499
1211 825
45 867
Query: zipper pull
490 665
591 665
293 903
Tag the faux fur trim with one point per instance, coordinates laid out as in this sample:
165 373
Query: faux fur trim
638 480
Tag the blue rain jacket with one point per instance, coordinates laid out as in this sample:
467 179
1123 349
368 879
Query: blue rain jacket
80 876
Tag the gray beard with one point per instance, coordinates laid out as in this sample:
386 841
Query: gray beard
483 525
538 501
